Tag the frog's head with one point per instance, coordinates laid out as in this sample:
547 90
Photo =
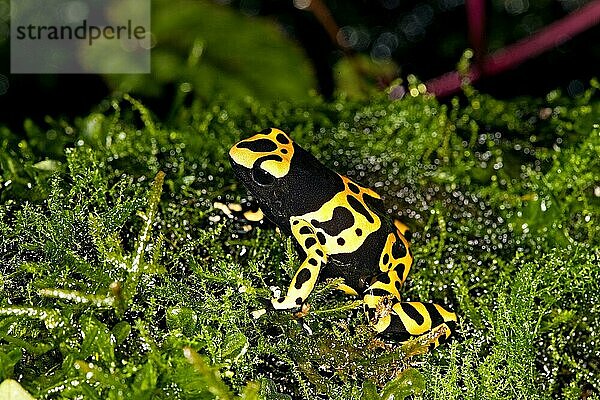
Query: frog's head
262 163
285 179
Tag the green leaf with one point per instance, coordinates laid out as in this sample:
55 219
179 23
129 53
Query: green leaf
268 391
145 381
251 391
12 390
98 341
212 50
369 391
121 331
138 262
183 319
409 382
360 77
47 165
235 346
8 361
210 377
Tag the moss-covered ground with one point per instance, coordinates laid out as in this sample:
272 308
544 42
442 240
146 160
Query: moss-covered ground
123 277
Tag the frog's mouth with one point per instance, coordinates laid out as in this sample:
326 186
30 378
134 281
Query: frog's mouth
271 207
241 172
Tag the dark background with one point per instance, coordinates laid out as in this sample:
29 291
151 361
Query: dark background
424 38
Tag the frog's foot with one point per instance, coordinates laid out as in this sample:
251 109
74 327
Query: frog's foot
429 323
286 303
268 307
299 311
256 314
438 335
304 310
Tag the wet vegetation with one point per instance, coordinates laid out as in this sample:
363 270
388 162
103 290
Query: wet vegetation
125 275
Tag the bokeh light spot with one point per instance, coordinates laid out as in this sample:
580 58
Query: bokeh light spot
516 7
347 36
355 38
450 4
75 11
575 88
3 84
390 4
381 52
302 4
388 39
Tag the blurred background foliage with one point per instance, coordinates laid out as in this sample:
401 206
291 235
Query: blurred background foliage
280 50
213 50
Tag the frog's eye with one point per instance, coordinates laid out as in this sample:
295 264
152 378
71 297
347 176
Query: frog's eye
262 177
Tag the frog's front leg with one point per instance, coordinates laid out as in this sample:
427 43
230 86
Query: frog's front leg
306 276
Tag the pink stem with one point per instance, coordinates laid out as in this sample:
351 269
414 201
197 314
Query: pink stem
476 22
510 56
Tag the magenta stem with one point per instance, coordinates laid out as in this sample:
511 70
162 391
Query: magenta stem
476 23
510 56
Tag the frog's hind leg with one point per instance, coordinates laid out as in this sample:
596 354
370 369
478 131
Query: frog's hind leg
403 228
307 274
423 319
404 320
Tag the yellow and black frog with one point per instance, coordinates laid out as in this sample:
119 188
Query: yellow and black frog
341 229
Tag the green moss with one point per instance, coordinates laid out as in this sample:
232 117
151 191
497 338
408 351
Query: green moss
121 278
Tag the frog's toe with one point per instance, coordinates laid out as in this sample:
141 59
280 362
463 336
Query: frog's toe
279 304
256 314
286 303
267 304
